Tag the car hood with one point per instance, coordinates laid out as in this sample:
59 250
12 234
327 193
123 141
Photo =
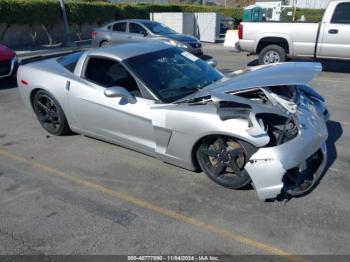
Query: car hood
182 38
281 74
6 53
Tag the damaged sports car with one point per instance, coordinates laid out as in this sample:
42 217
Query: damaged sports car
262 126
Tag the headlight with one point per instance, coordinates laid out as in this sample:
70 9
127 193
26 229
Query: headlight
178 44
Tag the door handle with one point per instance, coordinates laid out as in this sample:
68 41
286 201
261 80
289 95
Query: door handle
333 31
68 86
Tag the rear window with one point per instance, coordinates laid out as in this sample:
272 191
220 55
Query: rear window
341 14
70 61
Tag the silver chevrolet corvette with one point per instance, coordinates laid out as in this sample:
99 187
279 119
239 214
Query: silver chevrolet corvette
262 126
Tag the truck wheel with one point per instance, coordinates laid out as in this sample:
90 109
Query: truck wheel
272 54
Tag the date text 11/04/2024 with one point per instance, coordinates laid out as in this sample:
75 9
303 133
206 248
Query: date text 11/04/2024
173 258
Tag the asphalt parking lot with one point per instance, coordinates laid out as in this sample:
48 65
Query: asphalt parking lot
77 195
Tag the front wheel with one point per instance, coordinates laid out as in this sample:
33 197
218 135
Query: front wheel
50 114
223 159
272 54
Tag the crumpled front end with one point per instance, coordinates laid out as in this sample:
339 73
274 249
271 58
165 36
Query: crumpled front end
296 156
272 109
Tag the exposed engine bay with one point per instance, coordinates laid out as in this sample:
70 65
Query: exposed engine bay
277 116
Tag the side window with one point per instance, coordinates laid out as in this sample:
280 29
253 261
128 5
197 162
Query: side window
136 29
119 27
70 61
108 73
341 14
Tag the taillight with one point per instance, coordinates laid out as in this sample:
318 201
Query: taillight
93 35
24 82
240 31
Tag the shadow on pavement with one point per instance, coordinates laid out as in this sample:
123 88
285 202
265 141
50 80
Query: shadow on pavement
334 66
226 71
335 131
253 63
205 57
7 83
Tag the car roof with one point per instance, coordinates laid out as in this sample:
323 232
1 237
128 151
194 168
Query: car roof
135 20
128 50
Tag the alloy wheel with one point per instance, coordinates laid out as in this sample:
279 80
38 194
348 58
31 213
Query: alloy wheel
223 160
47 112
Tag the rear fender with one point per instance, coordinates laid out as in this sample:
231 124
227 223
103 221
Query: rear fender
285 37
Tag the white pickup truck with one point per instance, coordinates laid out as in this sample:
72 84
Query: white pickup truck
276 41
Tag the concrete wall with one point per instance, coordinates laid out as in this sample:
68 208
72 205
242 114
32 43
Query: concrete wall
180 22
205 26
313 4
208 25
25 35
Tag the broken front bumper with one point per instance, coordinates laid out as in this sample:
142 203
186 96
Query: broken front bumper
268 166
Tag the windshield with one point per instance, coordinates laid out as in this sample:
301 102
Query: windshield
159 29
172 73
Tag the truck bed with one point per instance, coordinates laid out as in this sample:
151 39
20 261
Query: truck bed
300 36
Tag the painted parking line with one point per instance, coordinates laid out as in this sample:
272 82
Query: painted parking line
157 209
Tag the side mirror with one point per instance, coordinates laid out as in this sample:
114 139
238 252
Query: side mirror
212 62
118 91
144 33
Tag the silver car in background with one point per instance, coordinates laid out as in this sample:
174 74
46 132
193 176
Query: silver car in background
140 30
262 125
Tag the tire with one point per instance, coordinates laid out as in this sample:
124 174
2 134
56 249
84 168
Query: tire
223 159
272 54
105 43
50 114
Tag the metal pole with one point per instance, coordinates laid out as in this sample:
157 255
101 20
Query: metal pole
67 41
294 10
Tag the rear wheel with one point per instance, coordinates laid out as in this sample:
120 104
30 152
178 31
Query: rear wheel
272 54
50 113
105 44
223 159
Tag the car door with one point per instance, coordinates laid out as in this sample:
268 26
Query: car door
137 33
119 34
112 119
335 41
